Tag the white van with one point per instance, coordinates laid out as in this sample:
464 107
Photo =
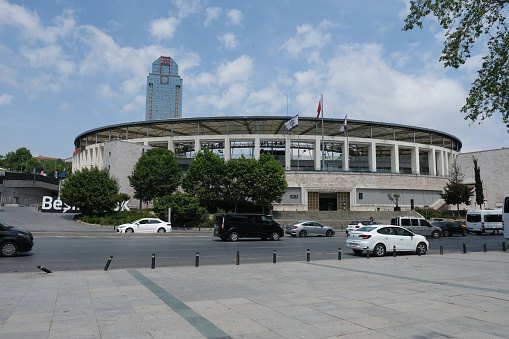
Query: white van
483 221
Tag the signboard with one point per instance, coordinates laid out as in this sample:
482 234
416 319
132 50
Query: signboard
55 205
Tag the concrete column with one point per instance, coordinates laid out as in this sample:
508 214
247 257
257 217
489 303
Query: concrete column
288 153
395 158
257 148
432 162
171 145
346 155
227 149
447 168
415 160
197 145
318 154
372 156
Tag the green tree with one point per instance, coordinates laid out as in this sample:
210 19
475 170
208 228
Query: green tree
155 175
240 180
185 209
456 192
20 160
205 179
465 23
479 191
92 190
270 185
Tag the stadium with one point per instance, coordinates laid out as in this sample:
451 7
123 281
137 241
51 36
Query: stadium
328 167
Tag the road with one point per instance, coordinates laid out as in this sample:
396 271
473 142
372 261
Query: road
62 244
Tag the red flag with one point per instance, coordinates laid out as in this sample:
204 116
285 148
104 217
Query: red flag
319 110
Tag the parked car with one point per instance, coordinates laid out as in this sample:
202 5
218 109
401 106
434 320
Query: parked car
418 226
305 228
232 226
145 225
353 225
384 238
14 240
451 227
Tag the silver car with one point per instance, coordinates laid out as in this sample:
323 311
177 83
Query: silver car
305 228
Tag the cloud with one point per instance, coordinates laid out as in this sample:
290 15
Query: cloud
235 16
235 71
6 99
308 38
228 40
164 28
212 13
187 7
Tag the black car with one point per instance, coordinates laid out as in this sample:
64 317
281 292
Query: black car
232 226
451 227
14 240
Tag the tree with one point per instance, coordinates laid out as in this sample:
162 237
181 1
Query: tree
240 180
395 199
479 191
155 175
456 192
465 23
205 179
270 181
185 209
92 190
20 160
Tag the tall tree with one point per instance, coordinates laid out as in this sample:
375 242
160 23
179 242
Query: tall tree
467 22
456 192
92 190
155 174
205 179
240 180
271 181
185 209
479 191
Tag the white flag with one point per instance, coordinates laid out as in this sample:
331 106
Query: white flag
343 127
292 122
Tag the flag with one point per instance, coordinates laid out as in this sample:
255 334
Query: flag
319 110
343 127
293 122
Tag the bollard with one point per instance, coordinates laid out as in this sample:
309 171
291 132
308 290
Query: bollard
274 256
339 253
197 262
464 249
419 251
108 263
308 256
238 258
503 246
485 248
42 268
367 252
153 261
441 250
394 251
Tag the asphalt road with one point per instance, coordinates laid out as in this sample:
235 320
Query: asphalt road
62 244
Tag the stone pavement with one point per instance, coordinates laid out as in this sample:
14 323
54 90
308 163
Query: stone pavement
430 296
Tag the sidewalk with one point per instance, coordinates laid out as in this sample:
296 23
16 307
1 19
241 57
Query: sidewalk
431 296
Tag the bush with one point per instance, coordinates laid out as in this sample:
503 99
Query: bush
115 218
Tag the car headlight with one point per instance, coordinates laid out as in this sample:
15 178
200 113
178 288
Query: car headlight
24 236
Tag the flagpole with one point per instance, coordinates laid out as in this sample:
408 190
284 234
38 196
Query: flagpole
323 142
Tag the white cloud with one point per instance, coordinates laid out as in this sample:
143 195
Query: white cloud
235 71
235 16
228 40
212 13
164 28
6 99
187 7
308 37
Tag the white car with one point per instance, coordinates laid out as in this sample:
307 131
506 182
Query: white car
354 225
381 239
145 225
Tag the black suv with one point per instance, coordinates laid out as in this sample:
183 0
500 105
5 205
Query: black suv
451 227
14 240
232 226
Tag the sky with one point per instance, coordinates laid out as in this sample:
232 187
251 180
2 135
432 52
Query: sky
67 67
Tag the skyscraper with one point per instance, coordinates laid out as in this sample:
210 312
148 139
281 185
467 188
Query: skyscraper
164 90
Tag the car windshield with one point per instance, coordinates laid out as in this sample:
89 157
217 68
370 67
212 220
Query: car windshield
365 229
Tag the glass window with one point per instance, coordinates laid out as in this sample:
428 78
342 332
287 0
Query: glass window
403 232
473 217
415 222
493 218
425 223
405 222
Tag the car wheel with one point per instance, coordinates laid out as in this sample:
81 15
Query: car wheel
421 248
435 235
447 233
8 249
303 233
274 236
234 236
161 230
328 233
129 230
294 235
358 251
379 250
464 233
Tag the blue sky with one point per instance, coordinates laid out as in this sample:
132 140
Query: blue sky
70 66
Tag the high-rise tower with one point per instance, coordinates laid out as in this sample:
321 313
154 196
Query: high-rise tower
164 90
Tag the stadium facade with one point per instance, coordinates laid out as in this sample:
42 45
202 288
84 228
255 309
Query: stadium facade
326 169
